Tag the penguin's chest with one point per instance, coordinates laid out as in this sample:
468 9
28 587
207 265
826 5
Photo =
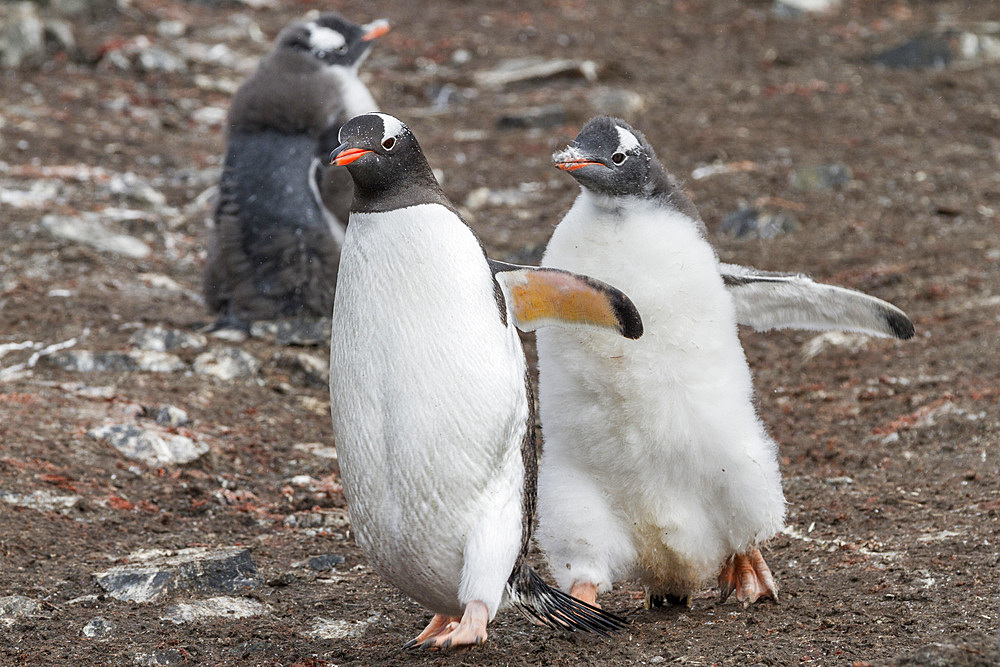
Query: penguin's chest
427 392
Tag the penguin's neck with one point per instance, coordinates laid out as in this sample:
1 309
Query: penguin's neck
355 94
418 187
616 205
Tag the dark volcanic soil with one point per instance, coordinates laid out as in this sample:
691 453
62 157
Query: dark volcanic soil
890 450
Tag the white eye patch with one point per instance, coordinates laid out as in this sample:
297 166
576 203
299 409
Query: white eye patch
391 126
325 39
626 140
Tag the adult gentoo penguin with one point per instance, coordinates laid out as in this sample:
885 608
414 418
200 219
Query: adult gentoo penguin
656 465
280 218
429 395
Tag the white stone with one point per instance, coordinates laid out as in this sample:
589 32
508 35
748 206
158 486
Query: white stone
317 449
533 69
223 606
98 627
15 607
42 500
161 339
149 446
323 628
852 342
88 230
227 363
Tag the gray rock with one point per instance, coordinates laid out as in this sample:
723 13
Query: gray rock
945 47
317 449
149 446
160 339
22 35
230 335
797 8
84 361
547 116
135 189
617 102
820 177
167 657
534 69
283 579
41 500
209 116
927 51
333 519
313 370
299 331
518 197
323 628
87 229
750 223
156 574
224 606
172 416
851 342
98 627
325 562
171 29
15 607
227 363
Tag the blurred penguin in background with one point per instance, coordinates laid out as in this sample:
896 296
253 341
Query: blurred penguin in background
282 211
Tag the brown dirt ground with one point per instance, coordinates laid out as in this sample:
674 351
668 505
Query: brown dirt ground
898 566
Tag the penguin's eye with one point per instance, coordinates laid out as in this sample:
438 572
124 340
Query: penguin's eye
618 158
389 143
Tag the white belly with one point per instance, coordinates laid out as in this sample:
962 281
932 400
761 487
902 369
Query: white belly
657 437
428 398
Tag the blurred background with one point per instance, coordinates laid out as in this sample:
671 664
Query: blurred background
855 141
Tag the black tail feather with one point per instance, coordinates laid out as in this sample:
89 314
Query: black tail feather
557 610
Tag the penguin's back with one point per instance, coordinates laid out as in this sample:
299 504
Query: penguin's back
273 253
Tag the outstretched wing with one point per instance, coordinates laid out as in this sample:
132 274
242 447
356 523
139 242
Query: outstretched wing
541 297
766 300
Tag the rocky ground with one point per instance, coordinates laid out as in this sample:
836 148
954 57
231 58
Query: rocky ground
168 498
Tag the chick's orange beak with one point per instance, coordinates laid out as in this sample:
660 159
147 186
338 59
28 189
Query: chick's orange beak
573 165
375 29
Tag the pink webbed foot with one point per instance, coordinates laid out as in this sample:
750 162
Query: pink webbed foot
749 577
584 591
438 624
469 631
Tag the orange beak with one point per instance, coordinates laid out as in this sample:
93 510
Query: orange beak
573 165
346 157
376 29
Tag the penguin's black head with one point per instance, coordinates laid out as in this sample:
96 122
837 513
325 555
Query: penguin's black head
386 163
611 158
331 40
608 157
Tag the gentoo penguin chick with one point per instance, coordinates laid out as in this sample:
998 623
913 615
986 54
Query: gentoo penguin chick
656 465
429 394
280 218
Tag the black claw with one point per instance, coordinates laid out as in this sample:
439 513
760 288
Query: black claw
409 644
446 645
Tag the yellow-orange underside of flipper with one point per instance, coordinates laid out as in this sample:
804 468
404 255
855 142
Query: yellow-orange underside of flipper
550 296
